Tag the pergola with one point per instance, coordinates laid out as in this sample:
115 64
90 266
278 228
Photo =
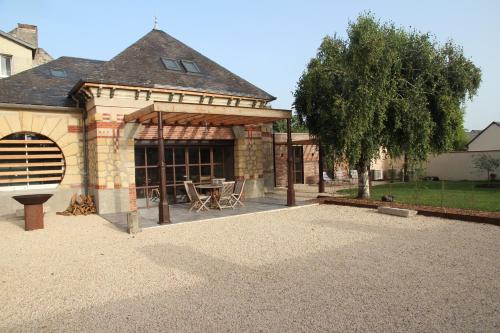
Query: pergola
174 113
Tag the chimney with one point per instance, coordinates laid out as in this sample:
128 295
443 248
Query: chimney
27 33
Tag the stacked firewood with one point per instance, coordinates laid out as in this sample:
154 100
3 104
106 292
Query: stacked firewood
80 205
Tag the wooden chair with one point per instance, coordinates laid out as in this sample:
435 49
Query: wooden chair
226 196
186 188
237 195
198 202
155 195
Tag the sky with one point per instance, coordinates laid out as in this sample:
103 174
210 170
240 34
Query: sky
268 42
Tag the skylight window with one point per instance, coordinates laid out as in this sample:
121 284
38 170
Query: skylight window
190 66
171 64
58 73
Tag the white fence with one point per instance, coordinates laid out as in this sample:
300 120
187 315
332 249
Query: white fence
459 165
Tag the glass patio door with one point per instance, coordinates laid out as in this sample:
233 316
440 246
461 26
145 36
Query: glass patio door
183 162
298 161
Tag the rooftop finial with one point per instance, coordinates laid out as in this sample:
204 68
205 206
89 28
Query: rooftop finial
155 27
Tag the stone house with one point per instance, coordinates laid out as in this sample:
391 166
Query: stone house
86 126
19 50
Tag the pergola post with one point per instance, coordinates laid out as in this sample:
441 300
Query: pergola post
163 211
321 183
290 193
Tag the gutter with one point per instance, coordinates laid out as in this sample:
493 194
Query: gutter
85 148
33 107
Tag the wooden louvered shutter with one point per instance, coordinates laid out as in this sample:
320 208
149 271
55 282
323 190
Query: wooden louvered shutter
29 160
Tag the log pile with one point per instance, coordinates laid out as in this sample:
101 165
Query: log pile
80 205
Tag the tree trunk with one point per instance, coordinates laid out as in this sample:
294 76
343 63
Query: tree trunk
406 176
363 181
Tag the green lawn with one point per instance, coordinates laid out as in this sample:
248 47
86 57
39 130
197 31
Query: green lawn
456 194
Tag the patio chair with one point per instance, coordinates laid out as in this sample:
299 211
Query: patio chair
198 202
226 196
186 188
238 192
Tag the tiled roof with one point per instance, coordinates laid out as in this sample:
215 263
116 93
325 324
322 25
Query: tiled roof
140 65
38 86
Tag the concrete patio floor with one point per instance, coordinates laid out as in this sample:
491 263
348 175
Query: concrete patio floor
179 213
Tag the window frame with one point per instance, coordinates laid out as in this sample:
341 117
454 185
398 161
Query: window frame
9 58
165 60
184 62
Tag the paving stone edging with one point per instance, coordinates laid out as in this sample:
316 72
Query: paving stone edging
469 216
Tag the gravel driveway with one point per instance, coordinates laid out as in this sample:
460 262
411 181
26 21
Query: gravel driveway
317 268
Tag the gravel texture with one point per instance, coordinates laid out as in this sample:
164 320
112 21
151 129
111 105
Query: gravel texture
317 268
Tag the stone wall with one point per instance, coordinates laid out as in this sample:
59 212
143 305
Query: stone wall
65 129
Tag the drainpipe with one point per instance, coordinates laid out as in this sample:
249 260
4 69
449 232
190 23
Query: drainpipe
85 149
85 155
274 156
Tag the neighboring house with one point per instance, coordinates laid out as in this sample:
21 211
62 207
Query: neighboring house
487 139
75 125
19 50
459 165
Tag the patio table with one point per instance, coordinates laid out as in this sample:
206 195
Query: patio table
214 192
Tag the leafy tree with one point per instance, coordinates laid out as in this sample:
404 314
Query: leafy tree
385 86
486 163
297 127
346 89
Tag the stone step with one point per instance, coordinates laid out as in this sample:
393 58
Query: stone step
397 211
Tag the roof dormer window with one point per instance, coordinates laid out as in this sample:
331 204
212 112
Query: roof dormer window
171 64
58 73
190 66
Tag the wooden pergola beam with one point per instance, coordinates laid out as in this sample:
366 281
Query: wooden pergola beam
247 115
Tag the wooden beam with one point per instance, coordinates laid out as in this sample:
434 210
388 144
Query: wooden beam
13 149
137 114
29 157
221 110
6 142
25 165
26 180
34 172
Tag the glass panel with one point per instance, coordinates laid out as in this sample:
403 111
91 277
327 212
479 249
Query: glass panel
179 156
194 158
218 171
205 174
180 174
140 193
180 194
218 154
140 177
169 156
139 156
141 198
170 194
190 66
205 155
153 177
152 156
170 175
171 64
194 174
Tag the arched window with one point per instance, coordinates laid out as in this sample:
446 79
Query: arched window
29 161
